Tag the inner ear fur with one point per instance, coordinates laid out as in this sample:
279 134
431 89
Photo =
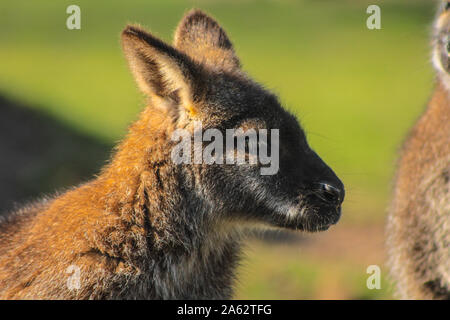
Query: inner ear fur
160 70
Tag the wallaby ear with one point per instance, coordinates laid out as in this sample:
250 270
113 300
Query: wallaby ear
158 68
201 37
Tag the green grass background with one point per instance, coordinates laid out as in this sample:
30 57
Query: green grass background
355 91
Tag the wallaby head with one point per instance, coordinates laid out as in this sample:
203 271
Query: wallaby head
441 43
199 81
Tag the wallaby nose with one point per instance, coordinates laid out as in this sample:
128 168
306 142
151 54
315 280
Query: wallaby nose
331 194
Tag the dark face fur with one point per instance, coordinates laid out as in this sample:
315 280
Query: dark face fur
202 80
304 194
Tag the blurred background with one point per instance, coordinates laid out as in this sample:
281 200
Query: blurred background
66 97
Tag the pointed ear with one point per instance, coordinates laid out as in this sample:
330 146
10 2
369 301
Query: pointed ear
201 37
158 68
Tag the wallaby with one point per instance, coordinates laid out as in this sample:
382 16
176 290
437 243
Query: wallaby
147 228
419 221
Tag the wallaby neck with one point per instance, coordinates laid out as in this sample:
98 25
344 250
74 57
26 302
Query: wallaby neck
166 230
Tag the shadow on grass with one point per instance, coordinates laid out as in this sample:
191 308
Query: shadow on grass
40 155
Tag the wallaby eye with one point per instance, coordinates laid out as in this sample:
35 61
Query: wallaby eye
447 47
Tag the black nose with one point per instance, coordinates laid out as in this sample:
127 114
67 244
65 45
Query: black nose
330 193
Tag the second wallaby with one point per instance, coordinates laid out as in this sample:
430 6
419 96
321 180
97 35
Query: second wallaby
148 228
419 220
